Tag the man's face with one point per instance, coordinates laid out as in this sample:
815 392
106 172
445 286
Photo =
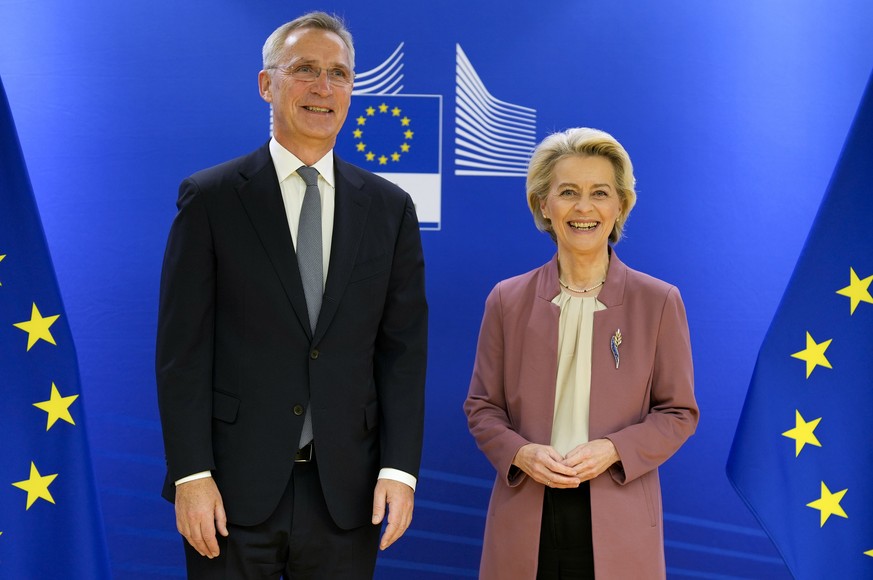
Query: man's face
308 114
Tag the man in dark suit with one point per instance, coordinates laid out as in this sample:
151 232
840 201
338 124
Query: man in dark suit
292 337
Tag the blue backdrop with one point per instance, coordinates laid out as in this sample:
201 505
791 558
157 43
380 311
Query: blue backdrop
734 115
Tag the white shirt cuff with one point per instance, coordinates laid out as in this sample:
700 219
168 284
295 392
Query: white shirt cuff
397 475
193 476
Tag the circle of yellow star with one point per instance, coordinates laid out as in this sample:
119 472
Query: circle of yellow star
857 291
814 354
36 486
57 407
382 159
829 504
37 328
803 433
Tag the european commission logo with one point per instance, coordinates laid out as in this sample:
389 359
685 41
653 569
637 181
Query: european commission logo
399 136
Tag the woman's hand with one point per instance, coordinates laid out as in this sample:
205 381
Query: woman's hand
591 459
546 466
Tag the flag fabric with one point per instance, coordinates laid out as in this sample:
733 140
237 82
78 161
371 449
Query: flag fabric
50 521
802 456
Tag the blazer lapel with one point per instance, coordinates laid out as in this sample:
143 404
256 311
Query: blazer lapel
261 197
350 215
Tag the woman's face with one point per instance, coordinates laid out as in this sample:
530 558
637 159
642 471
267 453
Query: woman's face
583 204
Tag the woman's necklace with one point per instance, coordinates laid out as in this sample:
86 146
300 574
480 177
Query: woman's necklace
595 287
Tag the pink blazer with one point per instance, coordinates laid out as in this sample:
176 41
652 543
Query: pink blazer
646 407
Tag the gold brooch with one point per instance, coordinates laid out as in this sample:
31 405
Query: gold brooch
614 343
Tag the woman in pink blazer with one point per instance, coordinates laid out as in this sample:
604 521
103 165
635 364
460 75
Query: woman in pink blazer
583 383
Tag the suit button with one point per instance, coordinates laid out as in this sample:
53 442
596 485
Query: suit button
314 354
298 410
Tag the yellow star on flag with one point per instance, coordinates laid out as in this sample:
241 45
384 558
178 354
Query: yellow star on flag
361 146
1 283
358 133
857 291
370 111
867 553
408 134
405 147
383 108
38 327
404 122
395 156
395 111
829 504
370 156
361 120
57 407
803 432
36 486
383 160
814 354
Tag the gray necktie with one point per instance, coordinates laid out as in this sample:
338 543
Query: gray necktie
309 260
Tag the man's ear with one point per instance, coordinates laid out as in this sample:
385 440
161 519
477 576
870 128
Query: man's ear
265 84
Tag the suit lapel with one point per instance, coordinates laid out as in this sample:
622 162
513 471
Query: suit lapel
261 197
350 216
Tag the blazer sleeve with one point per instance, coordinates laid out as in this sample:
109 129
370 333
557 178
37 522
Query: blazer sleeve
184 350
486 405
673 412
401 351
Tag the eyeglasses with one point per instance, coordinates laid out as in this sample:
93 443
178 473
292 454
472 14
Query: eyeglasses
336 76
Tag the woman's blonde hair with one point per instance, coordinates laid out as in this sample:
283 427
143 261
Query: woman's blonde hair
581 141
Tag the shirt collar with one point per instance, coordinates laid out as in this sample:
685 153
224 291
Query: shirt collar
287 163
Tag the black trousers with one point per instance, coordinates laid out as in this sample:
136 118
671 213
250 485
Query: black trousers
299 541
566 550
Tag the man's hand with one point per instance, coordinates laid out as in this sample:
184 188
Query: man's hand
199 511
399 499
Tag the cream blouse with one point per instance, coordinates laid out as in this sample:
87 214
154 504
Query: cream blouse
573 388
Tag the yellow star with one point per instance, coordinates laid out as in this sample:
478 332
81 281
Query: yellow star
405 147
1 283
867 553
370 111
404 122
36 486
803 432
383 108
408 134
361 120
37 327
395 111
814 354
370 156
57 407
358 133
829 504
383 160
361 147
858 290
395 156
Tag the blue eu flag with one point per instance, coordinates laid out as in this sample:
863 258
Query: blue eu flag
392 133
802 457
50 522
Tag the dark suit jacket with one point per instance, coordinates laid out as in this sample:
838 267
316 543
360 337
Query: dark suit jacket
237 363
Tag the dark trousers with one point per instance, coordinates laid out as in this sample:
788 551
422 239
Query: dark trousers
566 551
299 541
